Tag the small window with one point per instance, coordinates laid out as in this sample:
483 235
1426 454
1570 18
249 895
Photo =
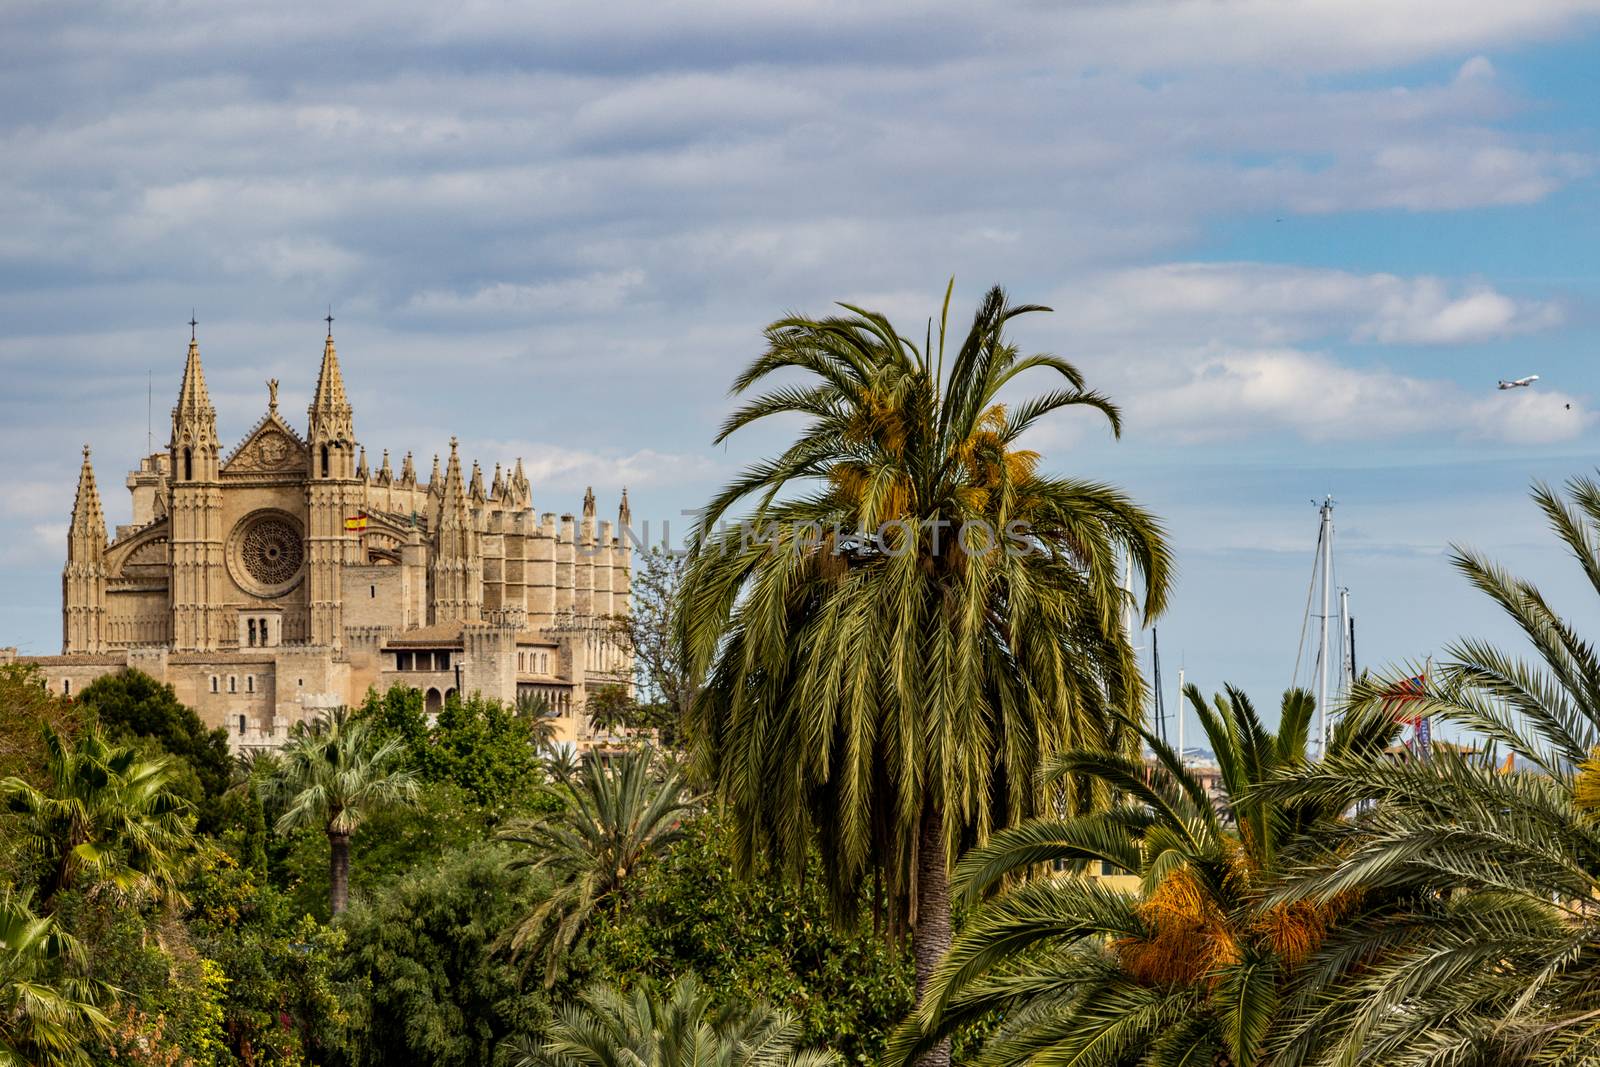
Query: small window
300 681
374 591
66 687
241 725
214 688
252 633
233 683
249 683
188 464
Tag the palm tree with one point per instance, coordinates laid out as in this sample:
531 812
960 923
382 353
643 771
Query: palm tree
335 772
561 763
893 650
47 1013
105 815
535 711
1499 960
615 819
608 1026
1191 964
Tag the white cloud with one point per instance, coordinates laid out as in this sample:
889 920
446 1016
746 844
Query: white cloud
603 291
1231 394
1268 303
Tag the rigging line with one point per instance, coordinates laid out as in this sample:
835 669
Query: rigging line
1305 619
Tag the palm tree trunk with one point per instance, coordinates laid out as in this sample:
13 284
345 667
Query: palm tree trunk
930 937
338 871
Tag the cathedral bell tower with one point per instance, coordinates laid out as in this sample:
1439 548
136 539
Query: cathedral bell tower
333 494
196 513
83 582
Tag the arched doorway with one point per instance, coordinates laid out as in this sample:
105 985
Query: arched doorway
433 703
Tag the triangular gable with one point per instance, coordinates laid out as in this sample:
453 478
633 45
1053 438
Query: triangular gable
272 447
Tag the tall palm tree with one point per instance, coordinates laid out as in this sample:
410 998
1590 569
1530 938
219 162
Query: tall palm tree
1189 966
615 819
609 1027
913 617
333 773
105 815
1499 961
48 1012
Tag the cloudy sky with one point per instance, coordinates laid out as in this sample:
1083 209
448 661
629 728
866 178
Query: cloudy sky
1298 242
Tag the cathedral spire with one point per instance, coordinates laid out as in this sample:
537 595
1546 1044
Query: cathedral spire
624 513
457 563
194 444
385 472
475 490
83 581
329 397
332 433
497 488
408 471
87 517
361 467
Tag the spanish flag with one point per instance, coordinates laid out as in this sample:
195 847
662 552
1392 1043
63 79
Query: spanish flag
356 522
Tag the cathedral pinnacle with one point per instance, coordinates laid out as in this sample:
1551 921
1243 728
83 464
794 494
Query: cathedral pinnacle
588 503
329 399
624 513
87 516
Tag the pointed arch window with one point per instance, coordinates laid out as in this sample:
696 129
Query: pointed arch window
324 461
188 464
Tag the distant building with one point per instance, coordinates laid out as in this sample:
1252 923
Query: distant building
285 577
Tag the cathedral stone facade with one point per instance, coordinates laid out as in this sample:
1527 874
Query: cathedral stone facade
285 577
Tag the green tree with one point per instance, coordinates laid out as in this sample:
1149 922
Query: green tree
1498 961
437 991
753 941
615 819
1192 965
477 744
610 709
334 773
29 707
608 1026
49 1012
894 650
130 703
104 814
666 684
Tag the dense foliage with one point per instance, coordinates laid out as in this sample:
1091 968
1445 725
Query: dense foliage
833 727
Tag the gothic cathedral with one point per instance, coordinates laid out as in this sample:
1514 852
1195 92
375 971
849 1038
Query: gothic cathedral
286 577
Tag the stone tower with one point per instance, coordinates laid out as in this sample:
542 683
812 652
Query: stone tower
457 555
197 585
83 581
334 493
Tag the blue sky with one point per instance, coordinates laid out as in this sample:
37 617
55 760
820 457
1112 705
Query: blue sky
1297 242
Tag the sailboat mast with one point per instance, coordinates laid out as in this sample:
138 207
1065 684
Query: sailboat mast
1180 714
1325 543
1156 708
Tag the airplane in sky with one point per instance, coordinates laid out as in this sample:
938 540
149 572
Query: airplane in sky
1519 383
